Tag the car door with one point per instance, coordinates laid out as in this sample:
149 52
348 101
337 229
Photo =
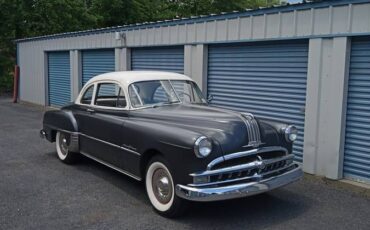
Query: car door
101 124
83 111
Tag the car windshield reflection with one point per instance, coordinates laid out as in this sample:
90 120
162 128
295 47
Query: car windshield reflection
164 92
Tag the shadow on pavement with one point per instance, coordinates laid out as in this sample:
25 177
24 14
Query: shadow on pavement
257 211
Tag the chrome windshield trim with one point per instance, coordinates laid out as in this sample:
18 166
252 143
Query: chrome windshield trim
154 105
177 102
174 90
245 153
251 165
142 106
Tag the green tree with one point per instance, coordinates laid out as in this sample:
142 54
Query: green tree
56 16
28 18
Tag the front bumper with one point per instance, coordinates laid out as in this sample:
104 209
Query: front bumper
239 190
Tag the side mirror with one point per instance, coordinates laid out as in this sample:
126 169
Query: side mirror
209 98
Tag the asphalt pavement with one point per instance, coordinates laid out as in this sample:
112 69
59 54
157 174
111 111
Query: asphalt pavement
37 191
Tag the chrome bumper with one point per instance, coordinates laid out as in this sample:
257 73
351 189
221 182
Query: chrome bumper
238 190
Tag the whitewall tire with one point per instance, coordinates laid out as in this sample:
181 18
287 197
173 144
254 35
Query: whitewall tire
62 143
160 189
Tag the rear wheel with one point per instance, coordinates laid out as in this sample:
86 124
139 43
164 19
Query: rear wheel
62 143
160 189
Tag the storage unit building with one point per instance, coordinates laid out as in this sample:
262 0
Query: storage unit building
307 64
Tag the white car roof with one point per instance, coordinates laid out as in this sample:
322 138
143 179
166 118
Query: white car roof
128 77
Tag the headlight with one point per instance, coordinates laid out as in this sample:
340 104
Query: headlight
290 133
202 147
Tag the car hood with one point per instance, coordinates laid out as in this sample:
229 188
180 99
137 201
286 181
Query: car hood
225 127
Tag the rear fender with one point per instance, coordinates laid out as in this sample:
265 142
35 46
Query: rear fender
61 120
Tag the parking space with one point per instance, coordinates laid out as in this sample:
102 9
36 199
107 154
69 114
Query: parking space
37 191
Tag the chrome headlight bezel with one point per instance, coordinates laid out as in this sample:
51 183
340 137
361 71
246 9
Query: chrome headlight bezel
202 147
290 133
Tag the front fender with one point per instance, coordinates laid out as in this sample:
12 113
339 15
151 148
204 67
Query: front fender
173 142
272 135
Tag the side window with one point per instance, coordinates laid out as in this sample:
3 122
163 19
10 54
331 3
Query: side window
110 95
87 96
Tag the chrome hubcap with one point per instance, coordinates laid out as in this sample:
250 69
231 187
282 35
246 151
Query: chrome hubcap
162 186
63 144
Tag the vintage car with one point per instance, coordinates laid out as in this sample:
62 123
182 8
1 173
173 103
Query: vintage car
157 127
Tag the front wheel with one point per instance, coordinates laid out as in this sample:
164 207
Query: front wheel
160 189
62 143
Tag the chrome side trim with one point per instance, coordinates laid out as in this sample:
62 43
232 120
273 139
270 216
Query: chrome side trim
96 139
179 146
111 144
238 190
251 165
62 130
111 166
245 153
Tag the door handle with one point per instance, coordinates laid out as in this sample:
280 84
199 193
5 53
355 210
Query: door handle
90 110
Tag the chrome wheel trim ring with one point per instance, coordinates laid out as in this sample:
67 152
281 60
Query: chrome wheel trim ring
158 187
161 185
62 145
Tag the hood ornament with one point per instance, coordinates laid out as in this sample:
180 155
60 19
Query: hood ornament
253 130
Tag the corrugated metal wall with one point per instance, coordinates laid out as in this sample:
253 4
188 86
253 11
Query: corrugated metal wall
357 144
95 62
158 58
341 19
267 79
59 78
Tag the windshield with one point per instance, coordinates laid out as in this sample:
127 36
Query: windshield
162 92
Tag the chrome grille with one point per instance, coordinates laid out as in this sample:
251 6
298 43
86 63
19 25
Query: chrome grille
251 165
254 136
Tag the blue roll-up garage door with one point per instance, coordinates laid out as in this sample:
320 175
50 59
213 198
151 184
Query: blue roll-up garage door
267 79
357 141
158 58
95 62
59 78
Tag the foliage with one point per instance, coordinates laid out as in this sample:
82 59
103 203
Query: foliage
28 18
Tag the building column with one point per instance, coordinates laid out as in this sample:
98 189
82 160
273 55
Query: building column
46 77
76 73
122 59
326 101
195 64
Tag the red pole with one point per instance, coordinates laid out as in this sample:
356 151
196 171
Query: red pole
15 83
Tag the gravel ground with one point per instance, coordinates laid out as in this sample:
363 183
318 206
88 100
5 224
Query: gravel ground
37 191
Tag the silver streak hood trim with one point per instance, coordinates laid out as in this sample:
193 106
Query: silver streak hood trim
254 135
